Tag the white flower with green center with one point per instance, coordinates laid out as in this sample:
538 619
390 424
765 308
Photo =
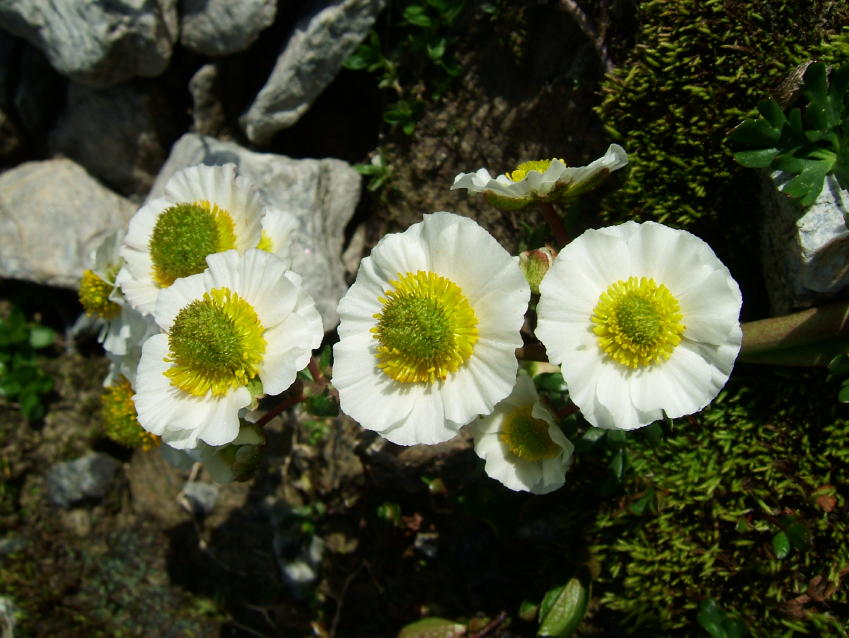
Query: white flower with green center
543 180
522 445
429 330
239 329
205 210
644 320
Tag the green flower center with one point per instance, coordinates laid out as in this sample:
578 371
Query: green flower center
526 437
426 330
216 344
184 235
638 322
522 170
94 296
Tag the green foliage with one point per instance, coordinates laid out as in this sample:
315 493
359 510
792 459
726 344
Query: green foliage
563 608
414 59
21 378
746 508
809 143
697 65
717 623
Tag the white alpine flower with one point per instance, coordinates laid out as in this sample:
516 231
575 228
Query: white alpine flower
522 445
241 328
644 320
429 330
542 180
205 210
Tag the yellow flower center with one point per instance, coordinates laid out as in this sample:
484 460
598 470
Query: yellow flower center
94 296
216 344
120 421
637 322
184 235
522 170
527 437
426 330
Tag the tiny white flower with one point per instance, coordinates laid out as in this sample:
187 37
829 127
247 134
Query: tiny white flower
644 320
205 210
543 180
241 328
429 330
522 445
278 228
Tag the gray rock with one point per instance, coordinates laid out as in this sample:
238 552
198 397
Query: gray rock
208 117
318 46
88 477
202 496
97 43
805 253
52 215
8 614
321 193
221 27
115 134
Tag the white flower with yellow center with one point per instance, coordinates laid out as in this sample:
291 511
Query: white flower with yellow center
542 180
644 320
205 210
521 443
278 229
239 329
429 330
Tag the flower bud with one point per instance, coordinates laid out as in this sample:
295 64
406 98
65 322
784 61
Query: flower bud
535 263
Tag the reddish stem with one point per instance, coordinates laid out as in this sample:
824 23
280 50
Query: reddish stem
555 223
490 626
283 406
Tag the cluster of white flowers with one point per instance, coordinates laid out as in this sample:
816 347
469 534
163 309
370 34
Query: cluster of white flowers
206 316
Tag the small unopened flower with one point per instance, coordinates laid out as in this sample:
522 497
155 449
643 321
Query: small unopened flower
644 320
240 329
97 292
521 443
428 331
541 180
120 422
535 263
205 210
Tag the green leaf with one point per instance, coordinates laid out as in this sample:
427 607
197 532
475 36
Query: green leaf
711 618
843 395
41 336
433 627
550 382
781 545
528 610
616 439
772 113
324 404
31 406
562 609
757 133
436 50
760 158
639 506
618 464
807 185
417 15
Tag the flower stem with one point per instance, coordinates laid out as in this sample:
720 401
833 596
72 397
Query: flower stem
811 337
555 223
292 401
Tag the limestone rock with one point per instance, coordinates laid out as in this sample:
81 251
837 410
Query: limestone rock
88 477
52 215
319 45
805 253
97 43
321 193
221 27
208 117
116 134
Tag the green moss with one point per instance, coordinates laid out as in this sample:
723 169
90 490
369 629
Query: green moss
763 456
697 69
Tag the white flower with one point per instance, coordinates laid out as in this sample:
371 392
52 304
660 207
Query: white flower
429 330
644 320
521 443
122 339
544 180
243 322
278 228
205 210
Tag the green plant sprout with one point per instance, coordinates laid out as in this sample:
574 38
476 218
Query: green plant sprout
810 142
422 49
21 378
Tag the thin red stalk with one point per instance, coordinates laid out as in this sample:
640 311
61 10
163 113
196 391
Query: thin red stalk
555 223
